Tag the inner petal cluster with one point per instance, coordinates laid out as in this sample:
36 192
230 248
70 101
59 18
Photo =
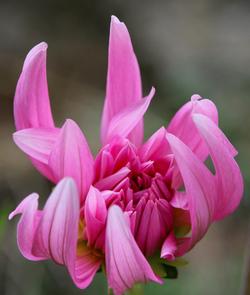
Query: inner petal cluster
141 188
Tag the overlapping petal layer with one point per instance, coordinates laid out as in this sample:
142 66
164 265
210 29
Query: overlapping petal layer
125 263
63 152
228 177
183 127
199 186
53 232
72 157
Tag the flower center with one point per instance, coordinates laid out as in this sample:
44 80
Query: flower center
140 188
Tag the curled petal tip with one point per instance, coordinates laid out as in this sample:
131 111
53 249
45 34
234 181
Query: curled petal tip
169 247
11 215
23 205
69 123
115 19
195 97
184 128
40 47
118 29
152 91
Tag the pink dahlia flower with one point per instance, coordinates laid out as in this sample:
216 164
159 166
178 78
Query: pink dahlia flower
134 200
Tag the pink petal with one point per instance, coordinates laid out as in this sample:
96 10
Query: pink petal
57 232
85 269
104 164
155 147
31 103
111 181
228 176
126 120
143 225
180 200
27 226
123 80
71 156
200 187
125 263
126 153
182 125
152 224
36 142
95 217
53 232
169 247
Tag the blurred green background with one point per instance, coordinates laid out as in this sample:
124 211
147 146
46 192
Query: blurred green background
183 47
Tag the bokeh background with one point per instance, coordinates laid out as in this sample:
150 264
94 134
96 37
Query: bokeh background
183 47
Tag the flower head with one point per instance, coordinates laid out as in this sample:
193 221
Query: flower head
133 201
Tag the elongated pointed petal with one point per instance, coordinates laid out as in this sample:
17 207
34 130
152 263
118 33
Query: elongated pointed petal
125 121
228 176
31 103
200 187
155 147
144 231
123 80
104 164
27 226
43 234
57 232
182 125
152 224
71 157
53 232
95 218
125 263
36 142
111 181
